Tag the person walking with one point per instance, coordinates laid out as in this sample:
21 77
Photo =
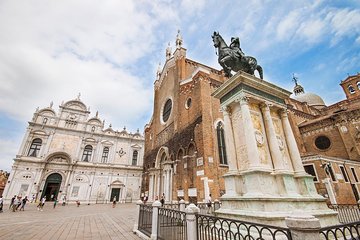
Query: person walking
114 202
15 204
208 204
162 200
55 202
24 200
12 201
41 204
63 201
19 202
1 203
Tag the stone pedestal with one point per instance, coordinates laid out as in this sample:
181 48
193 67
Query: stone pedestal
267 181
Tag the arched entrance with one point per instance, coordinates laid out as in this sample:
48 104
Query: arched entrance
52 187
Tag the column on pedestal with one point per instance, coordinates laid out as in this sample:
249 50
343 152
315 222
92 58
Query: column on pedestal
291 142
229 140
275 152
251 146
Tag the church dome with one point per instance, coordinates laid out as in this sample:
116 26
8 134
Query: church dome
311 99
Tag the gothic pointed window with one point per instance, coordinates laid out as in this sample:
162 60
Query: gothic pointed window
134 158
35 147
86 157
105 155
221 143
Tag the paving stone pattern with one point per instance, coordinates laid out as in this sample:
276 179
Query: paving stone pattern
69 222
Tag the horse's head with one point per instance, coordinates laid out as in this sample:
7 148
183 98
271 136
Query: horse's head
216 39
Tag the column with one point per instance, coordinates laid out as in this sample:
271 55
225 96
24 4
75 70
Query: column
251 146
171 184
275 152
165 184
291 142
229 140
206 187
158 185
23 143
151 187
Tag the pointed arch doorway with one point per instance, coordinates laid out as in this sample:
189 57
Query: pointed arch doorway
52 187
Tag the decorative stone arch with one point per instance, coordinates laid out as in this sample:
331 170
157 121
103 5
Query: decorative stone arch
58 189
217 121
180 153
58 157
163 150
191 149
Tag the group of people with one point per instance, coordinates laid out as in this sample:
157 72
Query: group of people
17 203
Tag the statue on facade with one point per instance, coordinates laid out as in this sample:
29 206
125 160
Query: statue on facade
232 58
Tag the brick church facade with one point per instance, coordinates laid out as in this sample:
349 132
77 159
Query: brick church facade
185 153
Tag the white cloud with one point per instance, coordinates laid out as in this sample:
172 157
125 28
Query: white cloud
52 51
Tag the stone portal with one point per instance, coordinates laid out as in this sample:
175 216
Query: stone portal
266 181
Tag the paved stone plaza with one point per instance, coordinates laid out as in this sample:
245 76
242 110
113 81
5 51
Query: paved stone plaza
69 222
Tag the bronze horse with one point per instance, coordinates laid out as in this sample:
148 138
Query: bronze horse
229 60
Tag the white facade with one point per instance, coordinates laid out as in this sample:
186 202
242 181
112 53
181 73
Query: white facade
69 154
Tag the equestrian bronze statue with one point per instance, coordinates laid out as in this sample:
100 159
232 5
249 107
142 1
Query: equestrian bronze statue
233 59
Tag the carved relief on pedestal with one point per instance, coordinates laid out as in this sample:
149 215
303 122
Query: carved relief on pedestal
259 138
280 143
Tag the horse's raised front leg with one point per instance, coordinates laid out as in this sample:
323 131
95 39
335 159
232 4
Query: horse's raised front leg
226 68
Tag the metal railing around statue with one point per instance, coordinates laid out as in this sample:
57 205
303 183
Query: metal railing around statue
171 224
347 213
344 231
215 228
145 219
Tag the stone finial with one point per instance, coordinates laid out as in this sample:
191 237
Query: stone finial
51 104
179 40
295 79
78 97
124 128
37 109
168 52
110 125
137 130
158 72
97 114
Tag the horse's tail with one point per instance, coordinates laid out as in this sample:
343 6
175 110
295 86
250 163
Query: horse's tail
260 71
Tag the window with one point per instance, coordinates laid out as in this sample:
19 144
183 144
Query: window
105 155
310 170
330 171
354 174
322 142
351 89
344 173
87 153
180 155
167 110
358 85
134 158
221 143
35 147
188 103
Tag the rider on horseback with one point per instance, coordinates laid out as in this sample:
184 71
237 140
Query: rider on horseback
235 46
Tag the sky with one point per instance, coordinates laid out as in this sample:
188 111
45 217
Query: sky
109 51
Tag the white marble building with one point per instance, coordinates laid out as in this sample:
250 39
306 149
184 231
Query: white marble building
70 154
